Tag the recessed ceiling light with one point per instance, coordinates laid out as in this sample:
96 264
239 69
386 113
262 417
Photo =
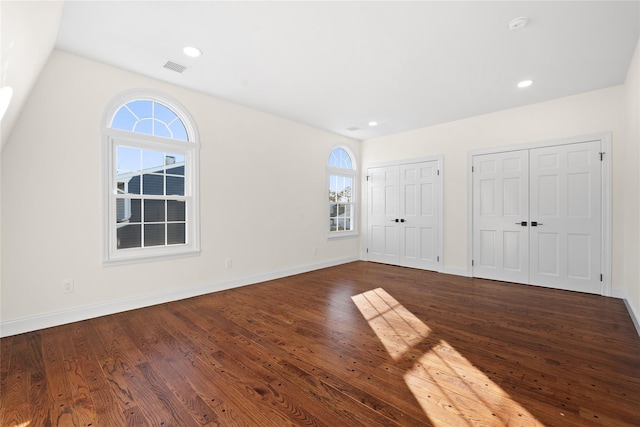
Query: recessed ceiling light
517 23
525 83
191 51
373 123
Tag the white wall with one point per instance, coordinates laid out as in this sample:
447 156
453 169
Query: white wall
631 276
588 113
263 200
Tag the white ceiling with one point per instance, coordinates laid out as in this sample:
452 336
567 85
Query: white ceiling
338 65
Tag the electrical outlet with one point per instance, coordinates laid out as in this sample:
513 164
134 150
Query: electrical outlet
229 263
67 286
315 251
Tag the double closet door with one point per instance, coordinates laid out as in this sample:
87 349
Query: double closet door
403 218
537 216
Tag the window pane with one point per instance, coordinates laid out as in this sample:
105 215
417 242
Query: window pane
152 160
153 234
154 210
141 108
123 120
345 193
339 158
144 126
176 234
163 113
161 129
152 184
128 169
136 210
175 210
175 185
178 170
121 215
175 164
129 236
179 131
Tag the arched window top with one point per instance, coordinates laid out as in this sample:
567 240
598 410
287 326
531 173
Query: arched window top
340 158
150 118
148 112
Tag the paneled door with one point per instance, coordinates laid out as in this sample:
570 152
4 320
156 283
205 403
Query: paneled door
537 216
566 217
382 212
404 215
501 216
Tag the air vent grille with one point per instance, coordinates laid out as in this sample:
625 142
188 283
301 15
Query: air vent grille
174 66
353 128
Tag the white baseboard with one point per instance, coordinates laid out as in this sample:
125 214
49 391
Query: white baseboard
456 271
47 320
634 313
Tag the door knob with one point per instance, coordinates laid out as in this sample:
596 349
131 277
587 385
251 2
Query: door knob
535 223
523 223
402 220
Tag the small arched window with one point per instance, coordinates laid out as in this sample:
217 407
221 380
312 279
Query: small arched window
151 190
342 193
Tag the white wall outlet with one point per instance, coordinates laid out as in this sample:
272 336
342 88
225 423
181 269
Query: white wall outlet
67 286
315 251
229 263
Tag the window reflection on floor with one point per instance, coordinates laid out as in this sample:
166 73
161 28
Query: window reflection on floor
450 390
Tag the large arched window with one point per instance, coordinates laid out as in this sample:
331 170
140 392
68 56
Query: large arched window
342 195
150 159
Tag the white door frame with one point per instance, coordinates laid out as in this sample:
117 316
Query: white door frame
365 201
605 140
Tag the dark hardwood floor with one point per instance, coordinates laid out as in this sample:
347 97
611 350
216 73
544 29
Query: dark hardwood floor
360 344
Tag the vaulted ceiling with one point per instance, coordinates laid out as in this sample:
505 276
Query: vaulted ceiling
340 65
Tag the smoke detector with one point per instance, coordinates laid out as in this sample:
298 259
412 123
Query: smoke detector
517 23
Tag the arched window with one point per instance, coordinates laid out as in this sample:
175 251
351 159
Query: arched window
342 195
151 161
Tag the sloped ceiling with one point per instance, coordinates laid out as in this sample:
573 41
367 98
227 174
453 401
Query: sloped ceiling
28 31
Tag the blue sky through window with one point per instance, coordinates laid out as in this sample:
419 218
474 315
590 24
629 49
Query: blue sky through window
150 118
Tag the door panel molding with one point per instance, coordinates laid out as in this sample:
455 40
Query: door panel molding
418 196
606 207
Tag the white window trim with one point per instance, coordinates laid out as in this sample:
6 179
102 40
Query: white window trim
353 174
190 149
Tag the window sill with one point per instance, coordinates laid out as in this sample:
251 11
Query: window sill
336 235
137 258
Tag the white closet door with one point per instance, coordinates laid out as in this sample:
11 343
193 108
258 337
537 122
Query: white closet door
382 212
501 216
566 217
419 215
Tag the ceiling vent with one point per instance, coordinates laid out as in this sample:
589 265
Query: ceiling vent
353 128
174 66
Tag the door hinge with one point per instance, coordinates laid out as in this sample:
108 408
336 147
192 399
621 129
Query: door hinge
472 169
367 177
438 258
471 263
438 172
601 277
367 250
601 155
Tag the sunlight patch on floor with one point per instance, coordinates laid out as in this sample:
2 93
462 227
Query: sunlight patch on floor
397 328
454 392
450 390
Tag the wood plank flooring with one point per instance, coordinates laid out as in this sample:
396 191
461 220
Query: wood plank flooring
361 344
